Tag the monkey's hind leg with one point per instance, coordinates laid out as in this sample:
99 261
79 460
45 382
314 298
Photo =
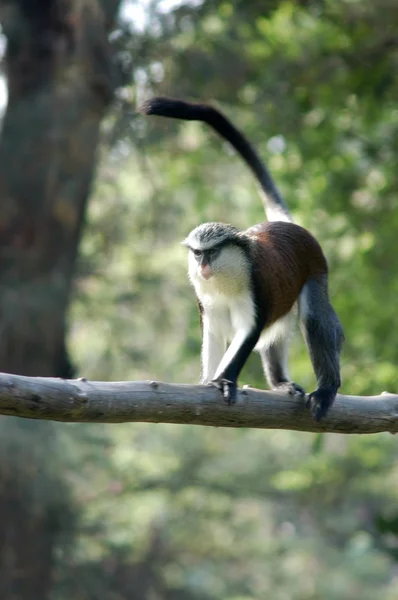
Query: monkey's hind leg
274 360
324 337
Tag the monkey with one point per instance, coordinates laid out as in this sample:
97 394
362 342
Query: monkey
249 283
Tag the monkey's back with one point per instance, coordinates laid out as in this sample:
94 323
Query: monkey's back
285 256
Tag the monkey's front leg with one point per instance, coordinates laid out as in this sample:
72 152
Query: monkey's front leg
233 361
213 348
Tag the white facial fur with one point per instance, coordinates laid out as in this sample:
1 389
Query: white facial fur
230 274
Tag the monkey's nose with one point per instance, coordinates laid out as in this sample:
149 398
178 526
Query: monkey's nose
205 271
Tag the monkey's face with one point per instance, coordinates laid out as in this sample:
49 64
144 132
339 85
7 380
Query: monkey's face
204 261
217 261
220 270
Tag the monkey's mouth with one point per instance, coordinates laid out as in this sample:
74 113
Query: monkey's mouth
205 272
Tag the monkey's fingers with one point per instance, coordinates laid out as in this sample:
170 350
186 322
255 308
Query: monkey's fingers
288 387
319 402
227 387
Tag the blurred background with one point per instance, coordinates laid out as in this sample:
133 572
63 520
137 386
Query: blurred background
94 202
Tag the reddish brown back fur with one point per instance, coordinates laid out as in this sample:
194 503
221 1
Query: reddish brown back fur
285 256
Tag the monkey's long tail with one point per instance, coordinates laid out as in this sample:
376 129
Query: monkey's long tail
274 205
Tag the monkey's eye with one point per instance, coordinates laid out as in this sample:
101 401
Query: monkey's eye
197 253
213 252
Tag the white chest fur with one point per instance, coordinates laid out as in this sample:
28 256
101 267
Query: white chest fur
226 315
226 297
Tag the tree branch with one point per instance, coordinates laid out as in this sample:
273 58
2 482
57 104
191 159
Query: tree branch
154 402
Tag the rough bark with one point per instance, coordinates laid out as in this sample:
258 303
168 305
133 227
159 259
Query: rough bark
60 82
155 402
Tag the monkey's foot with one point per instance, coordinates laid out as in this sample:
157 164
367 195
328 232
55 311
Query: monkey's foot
288 387
320 401
227 387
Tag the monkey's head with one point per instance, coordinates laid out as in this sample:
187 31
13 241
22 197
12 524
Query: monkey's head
217 251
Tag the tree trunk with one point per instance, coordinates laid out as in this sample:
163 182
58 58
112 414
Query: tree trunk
60 82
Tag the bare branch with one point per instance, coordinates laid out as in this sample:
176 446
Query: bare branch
152 402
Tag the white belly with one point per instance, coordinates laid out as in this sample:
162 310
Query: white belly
229 315
278 330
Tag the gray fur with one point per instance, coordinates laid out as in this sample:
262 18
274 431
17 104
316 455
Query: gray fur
324 337
209 235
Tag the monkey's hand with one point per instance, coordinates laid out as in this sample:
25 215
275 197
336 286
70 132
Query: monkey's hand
320 401
288 387
227 387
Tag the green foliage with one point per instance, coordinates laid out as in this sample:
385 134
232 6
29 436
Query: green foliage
182 512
